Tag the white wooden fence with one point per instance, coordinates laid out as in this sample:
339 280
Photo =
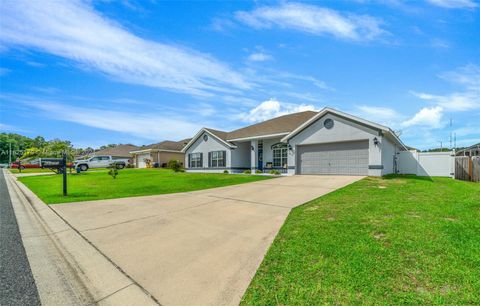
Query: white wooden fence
426 163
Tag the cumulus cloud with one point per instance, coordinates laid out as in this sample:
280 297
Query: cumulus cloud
313 19
75 31
272 108
427 116
454 4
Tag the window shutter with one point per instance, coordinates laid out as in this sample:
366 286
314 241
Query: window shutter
189 160
209 159
224 158
201 160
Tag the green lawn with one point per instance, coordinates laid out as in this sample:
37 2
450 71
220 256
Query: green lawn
97 185
397 240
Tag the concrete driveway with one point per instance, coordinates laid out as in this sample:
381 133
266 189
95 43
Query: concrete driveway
195 248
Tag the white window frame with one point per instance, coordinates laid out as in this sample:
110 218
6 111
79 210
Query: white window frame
280 157
218 159
195 160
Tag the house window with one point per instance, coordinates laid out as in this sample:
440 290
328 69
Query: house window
280 157
217 159
195 160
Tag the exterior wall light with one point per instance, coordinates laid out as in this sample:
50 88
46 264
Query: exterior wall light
375 141
252 148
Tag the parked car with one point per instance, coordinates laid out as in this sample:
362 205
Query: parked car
26 165
100 161
3 165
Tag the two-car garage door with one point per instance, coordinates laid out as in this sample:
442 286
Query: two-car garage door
341 158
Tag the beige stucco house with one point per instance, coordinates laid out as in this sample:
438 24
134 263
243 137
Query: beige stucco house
159 154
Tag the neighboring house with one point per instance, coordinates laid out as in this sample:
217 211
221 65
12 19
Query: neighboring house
159 153
121 151
470 151
325 142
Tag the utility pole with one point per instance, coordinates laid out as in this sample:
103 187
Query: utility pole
441 145
450 133
455 140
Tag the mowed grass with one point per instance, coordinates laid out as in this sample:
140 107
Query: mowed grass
396 240
97 185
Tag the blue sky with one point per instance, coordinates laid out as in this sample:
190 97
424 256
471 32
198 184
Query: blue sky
139 72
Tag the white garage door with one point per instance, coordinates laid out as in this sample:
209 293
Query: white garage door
342 158
141 160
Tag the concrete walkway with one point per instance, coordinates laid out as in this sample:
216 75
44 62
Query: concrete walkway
196 248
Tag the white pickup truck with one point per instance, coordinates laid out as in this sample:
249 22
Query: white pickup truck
100 161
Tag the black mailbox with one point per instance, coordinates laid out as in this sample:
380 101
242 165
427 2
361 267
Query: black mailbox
52 163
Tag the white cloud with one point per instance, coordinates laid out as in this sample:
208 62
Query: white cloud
75 31
260 57
454 3
468 77
427 116
383 113
272 108
150 126
314 20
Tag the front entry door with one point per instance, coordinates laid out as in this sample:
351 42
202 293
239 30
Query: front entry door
260 155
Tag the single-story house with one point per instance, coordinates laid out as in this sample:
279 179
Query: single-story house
469 151
119 151
324 142
159 154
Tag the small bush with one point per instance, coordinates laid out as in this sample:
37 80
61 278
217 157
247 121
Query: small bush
175 165
274 172
247 172
113 170
258 171
226 172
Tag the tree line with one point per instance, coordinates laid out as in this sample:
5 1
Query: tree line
22 147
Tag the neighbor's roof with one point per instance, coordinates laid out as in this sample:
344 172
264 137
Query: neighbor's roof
167 145
283 124
122 150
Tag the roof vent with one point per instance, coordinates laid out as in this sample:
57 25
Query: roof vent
328 123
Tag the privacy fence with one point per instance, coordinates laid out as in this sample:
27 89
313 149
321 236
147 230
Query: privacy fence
467 168
426 163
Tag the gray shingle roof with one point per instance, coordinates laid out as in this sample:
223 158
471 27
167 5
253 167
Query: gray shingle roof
122 150
282 124
167 145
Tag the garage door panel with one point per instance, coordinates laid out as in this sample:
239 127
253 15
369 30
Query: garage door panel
343 158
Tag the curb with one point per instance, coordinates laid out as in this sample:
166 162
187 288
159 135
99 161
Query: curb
105 282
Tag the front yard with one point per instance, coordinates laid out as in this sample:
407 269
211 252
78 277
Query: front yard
98 185
398 240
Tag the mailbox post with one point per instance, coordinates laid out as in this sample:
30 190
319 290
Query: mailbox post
64 168
58 165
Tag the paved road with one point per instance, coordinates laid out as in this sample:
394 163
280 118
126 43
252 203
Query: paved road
195 248
17 286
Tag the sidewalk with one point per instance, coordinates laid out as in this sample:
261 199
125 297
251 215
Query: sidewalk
67 269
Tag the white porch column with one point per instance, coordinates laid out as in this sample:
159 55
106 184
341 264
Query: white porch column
253 155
